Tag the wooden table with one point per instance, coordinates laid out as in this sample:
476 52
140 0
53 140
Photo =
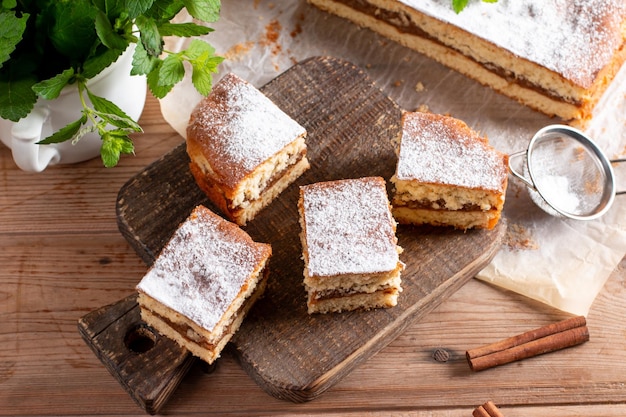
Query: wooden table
62 256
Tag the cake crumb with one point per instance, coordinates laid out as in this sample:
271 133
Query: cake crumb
419 87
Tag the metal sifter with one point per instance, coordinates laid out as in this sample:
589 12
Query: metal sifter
567 174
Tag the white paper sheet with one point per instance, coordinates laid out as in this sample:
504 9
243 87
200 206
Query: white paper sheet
563 263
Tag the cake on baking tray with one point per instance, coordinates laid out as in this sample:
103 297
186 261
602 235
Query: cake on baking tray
349 246
447 175
203 283
244 150
555 56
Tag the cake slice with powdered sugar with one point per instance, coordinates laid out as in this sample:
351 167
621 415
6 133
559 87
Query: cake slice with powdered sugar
447 174
349 245
244 149
202 284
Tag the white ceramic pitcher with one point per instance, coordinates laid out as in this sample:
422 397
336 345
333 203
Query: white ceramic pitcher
114 83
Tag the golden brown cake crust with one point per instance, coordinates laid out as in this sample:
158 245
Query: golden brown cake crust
443 150
244 150
349 245
447 174
202 282
555 56
203 267
348 227
236 128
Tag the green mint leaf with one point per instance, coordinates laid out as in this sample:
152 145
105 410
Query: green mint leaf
165 10
111 113
138 7
114 143
107 35
150 37
112 8
11 31
198 50
204 10
17 98
94 65
172 70
82 132
52 87
124 123
65 133
459 5
202 77
204 63
143 63
73 32
158 90
9 4
185 30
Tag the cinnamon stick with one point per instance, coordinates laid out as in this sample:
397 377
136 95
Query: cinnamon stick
549 338
488 409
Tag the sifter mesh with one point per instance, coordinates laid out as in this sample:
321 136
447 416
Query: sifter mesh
569 174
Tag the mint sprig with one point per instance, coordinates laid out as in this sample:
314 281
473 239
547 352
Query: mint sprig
98 118
11 30
459 5
49 44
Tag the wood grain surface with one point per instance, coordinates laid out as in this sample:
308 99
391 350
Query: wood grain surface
62 257
350 127
149 366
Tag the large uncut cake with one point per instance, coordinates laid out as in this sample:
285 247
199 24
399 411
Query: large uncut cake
555 56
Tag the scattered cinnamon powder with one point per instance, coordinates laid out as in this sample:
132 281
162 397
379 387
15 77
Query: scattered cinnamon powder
272 33
296 30
579 153
517 238
270 38
594 186
298 25
237 51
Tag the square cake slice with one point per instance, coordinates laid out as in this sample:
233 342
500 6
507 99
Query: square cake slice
447 175
349 246
244 150
203 283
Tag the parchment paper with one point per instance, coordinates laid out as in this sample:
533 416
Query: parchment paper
562 263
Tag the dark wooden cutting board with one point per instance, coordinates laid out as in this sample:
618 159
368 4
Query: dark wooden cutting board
350 123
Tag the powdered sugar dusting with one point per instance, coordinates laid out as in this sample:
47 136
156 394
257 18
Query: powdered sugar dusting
349 227
441 150
573 38
240 127
203 267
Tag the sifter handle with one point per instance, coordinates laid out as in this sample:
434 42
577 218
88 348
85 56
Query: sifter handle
518 174
617 161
